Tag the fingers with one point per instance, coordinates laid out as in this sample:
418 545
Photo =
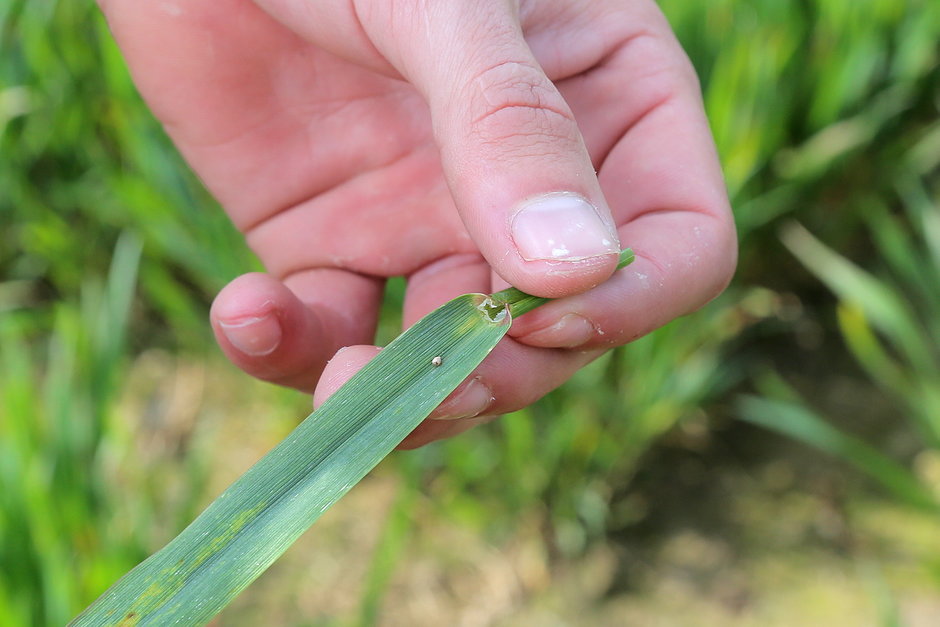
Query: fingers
428 289
512 154
285 332
667 280
521 174
434 430
348 361
501 384
663 179
443 280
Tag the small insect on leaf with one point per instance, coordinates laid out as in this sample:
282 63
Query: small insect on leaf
437 361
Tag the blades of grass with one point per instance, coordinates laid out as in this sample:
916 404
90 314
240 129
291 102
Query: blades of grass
902 253
917 389
518 447
261 514
868 350
886 310
882 596
922 212
14 610
392 543
924 156
795 420
844 136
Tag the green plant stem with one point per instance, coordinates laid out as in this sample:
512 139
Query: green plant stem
520 303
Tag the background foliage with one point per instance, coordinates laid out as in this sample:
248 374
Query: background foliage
118 420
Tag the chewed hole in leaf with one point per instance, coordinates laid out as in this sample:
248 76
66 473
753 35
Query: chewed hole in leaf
495 312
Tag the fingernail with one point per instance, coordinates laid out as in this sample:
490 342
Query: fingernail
571 331
472 401
561 227
255 336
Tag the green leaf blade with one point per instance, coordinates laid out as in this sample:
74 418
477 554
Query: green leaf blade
256 519
796 421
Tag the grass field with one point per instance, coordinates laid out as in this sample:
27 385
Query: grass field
654 488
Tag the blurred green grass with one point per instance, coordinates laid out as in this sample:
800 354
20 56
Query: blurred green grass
824 111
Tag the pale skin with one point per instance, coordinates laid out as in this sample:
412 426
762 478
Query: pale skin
356 140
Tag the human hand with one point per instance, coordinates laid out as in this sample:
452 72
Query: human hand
455 143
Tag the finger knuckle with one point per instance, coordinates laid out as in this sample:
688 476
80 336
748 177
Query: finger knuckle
658 65
513 103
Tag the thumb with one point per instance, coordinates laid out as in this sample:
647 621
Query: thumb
513 157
